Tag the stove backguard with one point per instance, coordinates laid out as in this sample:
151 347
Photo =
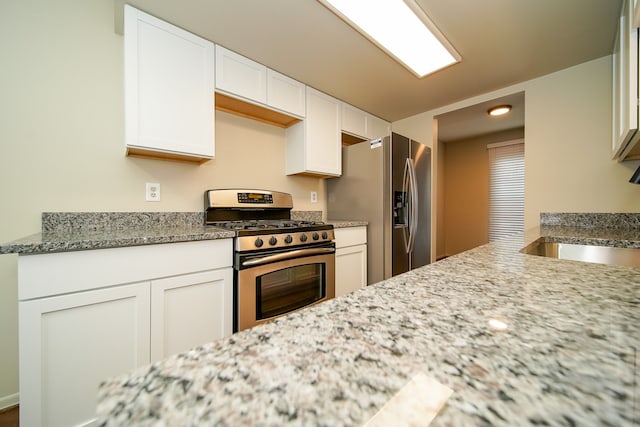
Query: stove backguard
246 214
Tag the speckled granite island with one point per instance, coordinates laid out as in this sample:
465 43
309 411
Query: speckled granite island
519 339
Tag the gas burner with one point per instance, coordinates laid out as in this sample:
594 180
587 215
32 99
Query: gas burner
264 224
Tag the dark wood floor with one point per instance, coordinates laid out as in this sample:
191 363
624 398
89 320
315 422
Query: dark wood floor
9 417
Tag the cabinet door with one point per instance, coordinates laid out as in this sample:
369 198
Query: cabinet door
314 145
285 93
377 128
190 310
362 124
324 153
240 76
169 88
351 269
625 83
354 121
70 343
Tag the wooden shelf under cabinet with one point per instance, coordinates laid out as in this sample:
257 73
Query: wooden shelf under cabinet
248 110
632 152
348 139
162 155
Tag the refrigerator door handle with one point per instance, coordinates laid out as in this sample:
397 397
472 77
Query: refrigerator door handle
406 188
413 206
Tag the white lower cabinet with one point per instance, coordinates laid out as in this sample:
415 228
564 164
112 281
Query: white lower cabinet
351 259
182 315
70 343
89 315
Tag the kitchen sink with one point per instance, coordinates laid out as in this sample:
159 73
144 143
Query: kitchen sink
586 253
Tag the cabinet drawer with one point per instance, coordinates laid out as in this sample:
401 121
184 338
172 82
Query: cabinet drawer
57 273
350 236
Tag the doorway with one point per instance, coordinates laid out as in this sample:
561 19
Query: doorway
463 177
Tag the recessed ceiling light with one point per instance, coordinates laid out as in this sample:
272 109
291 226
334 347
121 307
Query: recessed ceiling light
400 28
499 110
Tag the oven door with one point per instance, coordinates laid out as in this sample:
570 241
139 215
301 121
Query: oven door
271 285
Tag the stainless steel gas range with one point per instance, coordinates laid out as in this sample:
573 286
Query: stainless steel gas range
279 265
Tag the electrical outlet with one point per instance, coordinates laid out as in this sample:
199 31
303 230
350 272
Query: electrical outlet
314 197
153 192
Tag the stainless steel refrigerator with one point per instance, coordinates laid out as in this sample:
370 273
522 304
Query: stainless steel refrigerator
387 182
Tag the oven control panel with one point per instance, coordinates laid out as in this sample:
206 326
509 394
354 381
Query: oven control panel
222 199
256 198
281 240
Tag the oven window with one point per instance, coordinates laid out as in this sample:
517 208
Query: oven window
285 290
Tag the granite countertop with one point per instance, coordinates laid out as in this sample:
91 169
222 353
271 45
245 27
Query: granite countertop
346 223
72 231
65 241
518 339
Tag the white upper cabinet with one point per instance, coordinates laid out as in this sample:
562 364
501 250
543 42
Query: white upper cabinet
285 93
354 120
377 128
314 144
625 136
245 79
169 89
240 76
362 124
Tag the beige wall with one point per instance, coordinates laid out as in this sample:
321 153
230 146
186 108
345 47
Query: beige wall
464 219
567 143
466 176
61 144
439 222
568 149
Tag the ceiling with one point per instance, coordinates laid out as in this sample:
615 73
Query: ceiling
502 42
475 121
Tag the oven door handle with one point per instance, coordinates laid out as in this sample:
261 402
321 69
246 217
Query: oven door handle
288 255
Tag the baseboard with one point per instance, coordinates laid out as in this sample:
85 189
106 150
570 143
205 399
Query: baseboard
9 401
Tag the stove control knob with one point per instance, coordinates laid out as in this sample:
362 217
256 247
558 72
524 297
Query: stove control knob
288 239
273 241
258 242
303 238
315 236
324 235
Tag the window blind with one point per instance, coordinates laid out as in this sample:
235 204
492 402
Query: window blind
506 189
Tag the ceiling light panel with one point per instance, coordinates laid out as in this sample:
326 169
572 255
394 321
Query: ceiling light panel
400 28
